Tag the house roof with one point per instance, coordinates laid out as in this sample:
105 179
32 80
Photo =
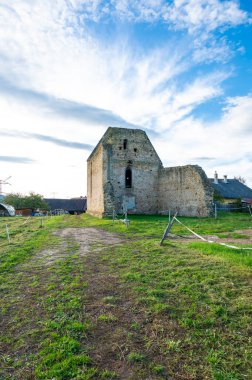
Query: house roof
74 204
233 189
10 209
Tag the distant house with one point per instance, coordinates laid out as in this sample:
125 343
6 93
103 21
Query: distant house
25 211
7 210
230 190
73 205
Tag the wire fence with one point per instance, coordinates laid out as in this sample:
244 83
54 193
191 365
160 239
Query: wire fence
11 228
218 209
231 208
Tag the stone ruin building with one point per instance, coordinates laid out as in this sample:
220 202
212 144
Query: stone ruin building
124 171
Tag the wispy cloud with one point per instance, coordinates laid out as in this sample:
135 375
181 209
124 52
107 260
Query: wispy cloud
111 85
45 138
183 14
237 116
78 80
204 158
17 160
223 145
208 15
63 107
200 18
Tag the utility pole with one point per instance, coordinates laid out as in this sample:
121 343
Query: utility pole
3 182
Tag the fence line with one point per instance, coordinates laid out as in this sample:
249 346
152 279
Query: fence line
13 224
168 228
229 208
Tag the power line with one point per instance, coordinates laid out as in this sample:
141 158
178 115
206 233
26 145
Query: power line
4 182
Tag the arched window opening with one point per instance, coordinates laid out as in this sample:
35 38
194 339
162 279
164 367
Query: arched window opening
128 178
125 143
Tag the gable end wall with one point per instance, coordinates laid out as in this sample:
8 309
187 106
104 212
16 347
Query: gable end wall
141 157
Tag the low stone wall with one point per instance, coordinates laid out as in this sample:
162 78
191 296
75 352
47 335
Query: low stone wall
185 189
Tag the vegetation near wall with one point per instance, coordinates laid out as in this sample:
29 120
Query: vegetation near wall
87 298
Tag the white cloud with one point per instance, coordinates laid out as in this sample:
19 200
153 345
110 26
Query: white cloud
200 90
182 14
237 118
212 50
227 142
46 48
181 103
209 15
82 69
202 18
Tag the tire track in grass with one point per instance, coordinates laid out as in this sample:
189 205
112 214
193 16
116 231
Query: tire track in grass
125 337
43 326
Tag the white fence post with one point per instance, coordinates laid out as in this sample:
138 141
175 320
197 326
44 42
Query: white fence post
249 207
8 235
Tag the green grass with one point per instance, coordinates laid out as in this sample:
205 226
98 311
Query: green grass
236 257
153 226
179 311
208 299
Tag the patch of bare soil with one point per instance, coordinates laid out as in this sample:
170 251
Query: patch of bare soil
120 327
89 237
111 309
23 297
227 237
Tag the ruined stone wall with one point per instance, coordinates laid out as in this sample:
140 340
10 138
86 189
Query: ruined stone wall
139 155
185 189
153 189
95 197
143 196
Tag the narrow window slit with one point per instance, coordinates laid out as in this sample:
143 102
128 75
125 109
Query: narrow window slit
128 178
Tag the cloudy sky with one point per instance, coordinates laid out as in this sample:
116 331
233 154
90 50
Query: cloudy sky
179 69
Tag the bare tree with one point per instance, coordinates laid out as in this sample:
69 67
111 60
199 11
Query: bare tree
240 179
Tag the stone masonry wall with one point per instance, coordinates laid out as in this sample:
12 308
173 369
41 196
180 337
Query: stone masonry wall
138 155
185 189
154 189
95 197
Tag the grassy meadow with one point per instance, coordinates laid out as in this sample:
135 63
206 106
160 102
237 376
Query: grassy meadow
87 298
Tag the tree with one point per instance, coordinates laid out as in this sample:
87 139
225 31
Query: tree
33 201
15 199
240 179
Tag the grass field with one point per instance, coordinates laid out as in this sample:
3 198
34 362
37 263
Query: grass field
87 298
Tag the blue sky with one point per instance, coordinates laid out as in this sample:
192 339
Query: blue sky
179 69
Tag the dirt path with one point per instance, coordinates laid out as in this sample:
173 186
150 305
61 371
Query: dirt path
112 311
105 303
26 292
68 301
